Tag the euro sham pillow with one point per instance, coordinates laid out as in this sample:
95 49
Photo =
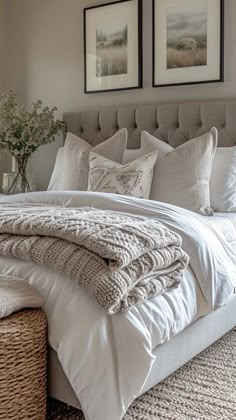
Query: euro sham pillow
223 176
75 167
223 180
182 175
133 179
56 178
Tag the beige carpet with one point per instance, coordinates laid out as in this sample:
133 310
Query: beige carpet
204 389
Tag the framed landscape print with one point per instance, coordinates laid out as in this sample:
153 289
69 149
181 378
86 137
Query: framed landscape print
113 46
188 42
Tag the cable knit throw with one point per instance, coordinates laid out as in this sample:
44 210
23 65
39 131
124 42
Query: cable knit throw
120 259
16 294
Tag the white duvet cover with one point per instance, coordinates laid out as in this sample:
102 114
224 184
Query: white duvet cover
107 359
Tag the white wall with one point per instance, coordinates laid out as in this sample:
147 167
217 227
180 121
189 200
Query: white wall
46 61
4 159
2 45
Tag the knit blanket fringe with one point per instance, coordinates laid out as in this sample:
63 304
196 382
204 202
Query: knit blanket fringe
120 259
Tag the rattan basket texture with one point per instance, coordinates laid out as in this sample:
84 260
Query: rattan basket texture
23 359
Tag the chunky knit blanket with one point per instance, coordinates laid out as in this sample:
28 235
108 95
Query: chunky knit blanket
16 294
120 259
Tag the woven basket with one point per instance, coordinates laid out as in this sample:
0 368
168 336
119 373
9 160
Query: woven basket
23 359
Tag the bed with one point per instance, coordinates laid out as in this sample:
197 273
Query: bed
196 326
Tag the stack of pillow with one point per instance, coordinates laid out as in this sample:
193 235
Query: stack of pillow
196 175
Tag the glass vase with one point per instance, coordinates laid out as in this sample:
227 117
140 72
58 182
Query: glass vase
20 182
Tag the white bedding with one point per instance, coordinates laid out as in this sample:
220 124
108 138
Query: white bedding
223 217
107 359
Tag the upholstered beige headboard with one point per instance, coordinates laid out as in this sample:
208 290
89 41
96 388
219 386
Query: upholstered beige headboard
173 123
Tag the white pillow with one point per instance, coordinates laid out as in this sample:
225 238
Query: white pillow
182 175
223 180
162 147
76 154
56 178
133 179
223 176
148 145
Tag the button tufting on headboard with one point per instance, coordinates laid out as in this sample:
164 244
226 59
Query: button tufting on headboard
173 123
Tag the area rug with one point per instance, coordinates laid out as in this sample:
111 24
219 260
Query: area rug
203 389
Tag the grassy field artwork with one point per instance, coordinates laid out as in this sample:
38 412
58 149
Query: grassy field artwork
186 40
111 48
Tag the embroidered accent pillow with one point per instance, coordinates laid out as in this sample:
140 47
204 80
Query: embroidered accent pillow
133 179
75 167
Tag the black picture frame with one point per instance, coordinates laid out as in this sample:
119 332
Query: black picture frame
139 41
221 47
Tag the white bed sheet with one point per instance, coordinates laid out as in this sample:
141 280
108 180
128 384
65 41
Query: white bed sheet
104 337
225 223
107 359
225 216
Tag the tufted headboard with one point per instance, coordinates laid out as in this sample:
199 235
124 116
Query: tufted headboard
173 123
